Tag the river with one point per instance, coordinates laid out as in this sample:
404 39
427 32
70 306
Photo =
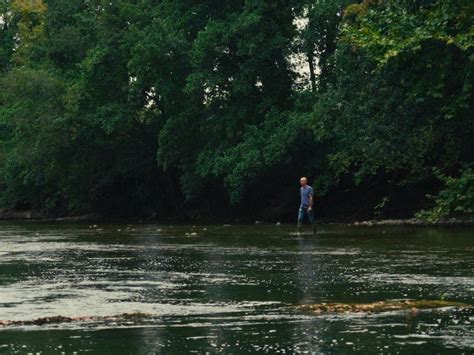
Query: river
144 289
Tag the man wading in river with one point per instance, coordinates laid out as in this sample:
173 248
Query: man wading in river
306 206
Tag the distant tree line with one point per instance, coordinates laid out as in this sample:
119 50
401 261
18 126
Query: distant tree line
215 108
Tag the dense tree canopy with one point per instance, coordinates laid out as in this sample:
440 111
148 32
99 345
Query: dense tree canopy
193 109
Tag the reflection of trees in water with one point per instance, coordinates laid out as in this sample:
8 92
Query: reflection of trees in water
182 261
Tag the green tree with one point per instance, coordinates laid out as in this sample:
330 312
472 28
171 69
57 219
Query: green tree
455 198
141 107
421 79
7 32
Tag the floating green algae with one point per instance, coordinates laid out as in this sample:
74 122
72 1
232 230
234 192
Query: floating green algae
380 306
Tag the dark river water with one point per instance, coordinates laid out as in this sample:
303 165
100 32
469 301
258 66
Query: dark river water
231 289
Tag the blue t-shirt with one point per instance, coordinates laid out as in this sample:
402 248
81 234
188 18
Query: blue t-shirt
305 193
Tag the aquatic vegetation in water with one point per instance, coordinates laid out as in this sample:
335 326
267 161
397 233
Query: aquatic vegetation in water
381 306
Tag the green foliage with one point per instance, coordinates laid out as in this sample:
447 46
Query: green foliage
237 73
455 198
418 110
396 28
68 123
141 107
33 137
317 39
8 28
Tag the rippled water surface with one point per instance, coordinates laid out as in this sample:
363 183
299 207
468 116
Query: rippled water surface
177 289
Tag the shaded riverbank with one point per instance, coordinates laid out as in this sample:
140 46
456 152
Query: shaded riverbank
31 215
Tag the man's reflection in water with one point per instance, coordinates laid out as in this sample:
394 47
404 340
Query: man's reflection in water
308 335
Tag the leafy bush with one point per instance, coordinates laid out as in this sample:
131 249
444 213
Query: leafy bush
456 198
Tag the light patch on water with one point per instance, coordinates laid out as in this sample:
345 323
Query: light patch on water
327 251
129 283
420 279
98 304
42 247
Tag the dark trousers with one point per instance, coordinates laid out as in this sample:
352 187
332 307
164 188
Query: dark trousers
304 211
